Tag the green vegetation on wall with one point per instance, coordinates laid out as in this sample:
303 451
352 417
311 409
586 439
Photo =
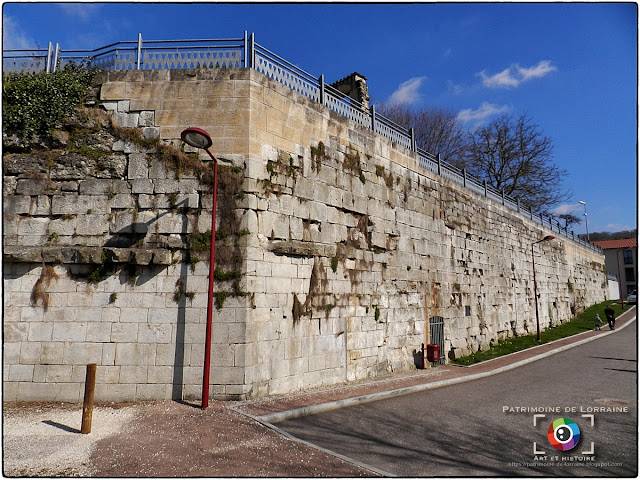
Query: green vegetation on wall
36 103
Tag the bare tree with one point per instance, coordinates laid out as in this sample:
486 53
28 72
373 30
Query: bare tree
512 154
570 219
436 130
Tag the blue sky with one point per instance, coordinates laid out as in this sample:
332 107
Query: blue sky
571 66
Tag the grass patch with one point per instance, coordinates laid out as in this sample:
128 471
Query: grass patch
582 323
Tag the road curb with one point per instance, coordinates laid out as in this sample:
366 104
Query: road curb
328 406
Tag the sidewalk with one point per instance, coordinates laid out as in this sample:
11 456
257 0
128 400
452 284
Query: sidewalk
229 439
279 409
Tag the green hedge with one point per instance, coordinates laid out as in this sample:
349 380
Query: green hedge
36 103
582 323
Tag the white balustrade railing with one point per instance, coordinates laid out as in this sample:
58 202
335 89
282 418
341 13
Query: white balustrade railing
245 53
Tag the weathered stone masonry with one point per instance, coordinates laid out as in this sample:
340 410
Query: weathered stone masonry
336 249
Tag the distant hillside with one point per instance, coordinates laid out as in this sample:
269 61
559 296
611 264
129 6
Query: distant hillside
596 236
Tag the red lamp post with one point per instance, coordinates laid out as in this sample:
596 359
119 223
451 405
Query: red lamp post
198 138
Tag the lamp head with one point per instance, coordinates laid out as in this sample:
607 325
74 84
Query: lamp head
196 137
582 203
545 239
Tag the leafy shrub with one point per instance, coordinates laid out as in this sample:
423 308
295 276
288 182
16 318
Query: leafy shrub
35 103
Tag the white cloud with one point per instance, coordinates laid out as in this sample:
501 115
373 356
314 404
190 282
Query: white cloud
13 38
84 11
478 116
502 79
617 227
407 92
456 89
537 71
566 208
514 75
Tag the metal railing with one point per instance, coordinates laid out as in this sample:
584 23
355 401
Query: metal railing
245 53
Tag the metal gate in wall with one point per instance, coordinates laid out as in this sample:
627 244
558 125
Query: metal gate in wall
436 335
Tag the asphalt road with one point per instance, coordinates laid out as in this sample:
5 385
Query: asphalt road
486 427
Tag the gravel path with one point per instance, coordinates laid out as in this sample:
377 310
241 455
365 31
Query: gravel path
45 440
163 439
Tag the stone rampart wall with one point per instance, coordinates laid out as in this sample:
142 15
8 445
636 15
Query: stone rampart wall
336 250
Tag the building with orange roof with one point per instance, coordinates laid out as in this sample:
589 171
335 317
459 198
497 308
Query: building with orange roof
621 259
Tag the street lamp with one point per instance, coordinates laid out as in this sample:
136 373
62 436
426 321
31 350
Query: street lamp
535 285
586 222
198 138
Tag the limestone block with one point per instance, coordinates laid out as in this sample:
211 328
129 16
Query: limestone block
98 332
151 133
123 106
40 332
9 226
318 211
147 118
59 373
222 355
106 374
16 204
276 285
122 223
305 188
133 374
52 353
284 270
112 90
141 185
138 166
82 353
154 333
108 353
30 353
135 354
118 392
19 373
334 197
132 314
172 223
175 186
166 354
109 106
160 374
29 186
92 224
33 226
11 353
124 146
15 332
228 375
126 119
121 200
66 204
195 333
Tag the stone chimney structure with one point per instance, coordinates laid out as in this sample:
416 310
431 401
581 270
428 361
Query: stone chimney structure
354 86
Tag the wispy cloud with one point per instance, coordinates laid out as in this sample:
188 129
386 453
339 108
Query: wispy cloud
617 227
514 75
84 11
567 208
502 79
479 115
407 92
13 38
537 71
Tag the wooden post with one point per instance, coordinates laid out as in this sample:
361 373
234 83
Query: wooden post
87 406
